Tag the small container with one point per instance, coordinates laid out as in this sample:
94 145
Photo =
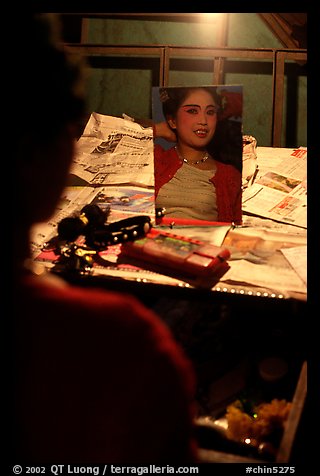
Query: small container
273 372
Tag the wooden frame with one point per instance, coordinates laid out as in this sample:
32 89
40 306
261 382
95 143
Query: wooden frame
218 55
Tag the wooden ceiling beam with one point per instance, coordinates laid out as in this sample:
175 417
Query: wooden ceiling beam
289 28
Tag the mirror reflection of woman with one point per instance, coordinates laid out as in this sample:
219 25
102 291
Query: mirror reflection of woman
190 181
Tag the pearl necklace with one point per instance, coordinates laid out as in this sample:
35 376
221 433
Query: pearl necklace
203 159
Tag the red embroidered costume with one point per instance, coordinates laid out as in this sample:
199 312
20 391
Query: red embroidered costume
227 181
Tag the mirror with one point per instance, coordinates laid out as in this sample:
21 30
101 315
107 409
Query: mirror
198 152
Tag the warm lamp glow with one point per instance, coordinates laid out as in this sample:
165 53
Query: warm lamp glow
210 16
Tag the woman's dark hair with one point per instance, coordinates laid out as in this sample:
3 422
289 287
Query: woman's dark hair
172 98
50 90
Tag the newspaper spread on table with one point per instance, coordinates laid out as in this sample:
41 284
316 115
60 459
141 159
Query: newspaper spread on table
263 258
114 150
114 160
279 190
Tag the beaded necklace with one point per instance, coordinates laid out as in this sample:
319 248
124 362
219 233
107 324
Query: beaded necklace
203 159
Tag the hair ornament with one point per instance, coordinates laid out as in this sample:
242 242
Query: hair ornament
164 96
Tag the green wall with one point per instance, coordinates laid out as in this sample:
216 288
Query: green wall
123 85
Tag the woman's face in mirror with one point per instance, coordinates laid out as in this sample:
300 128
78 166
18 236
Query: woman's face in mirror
196 119
198 175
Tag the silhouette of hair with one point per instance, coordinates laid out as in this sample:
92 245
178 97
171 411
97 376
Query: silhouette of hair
51 88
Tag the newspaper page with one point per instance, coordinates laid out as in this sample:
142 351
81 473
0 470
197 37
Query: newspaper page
297 257
279 190
259 259
125 201
114 150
